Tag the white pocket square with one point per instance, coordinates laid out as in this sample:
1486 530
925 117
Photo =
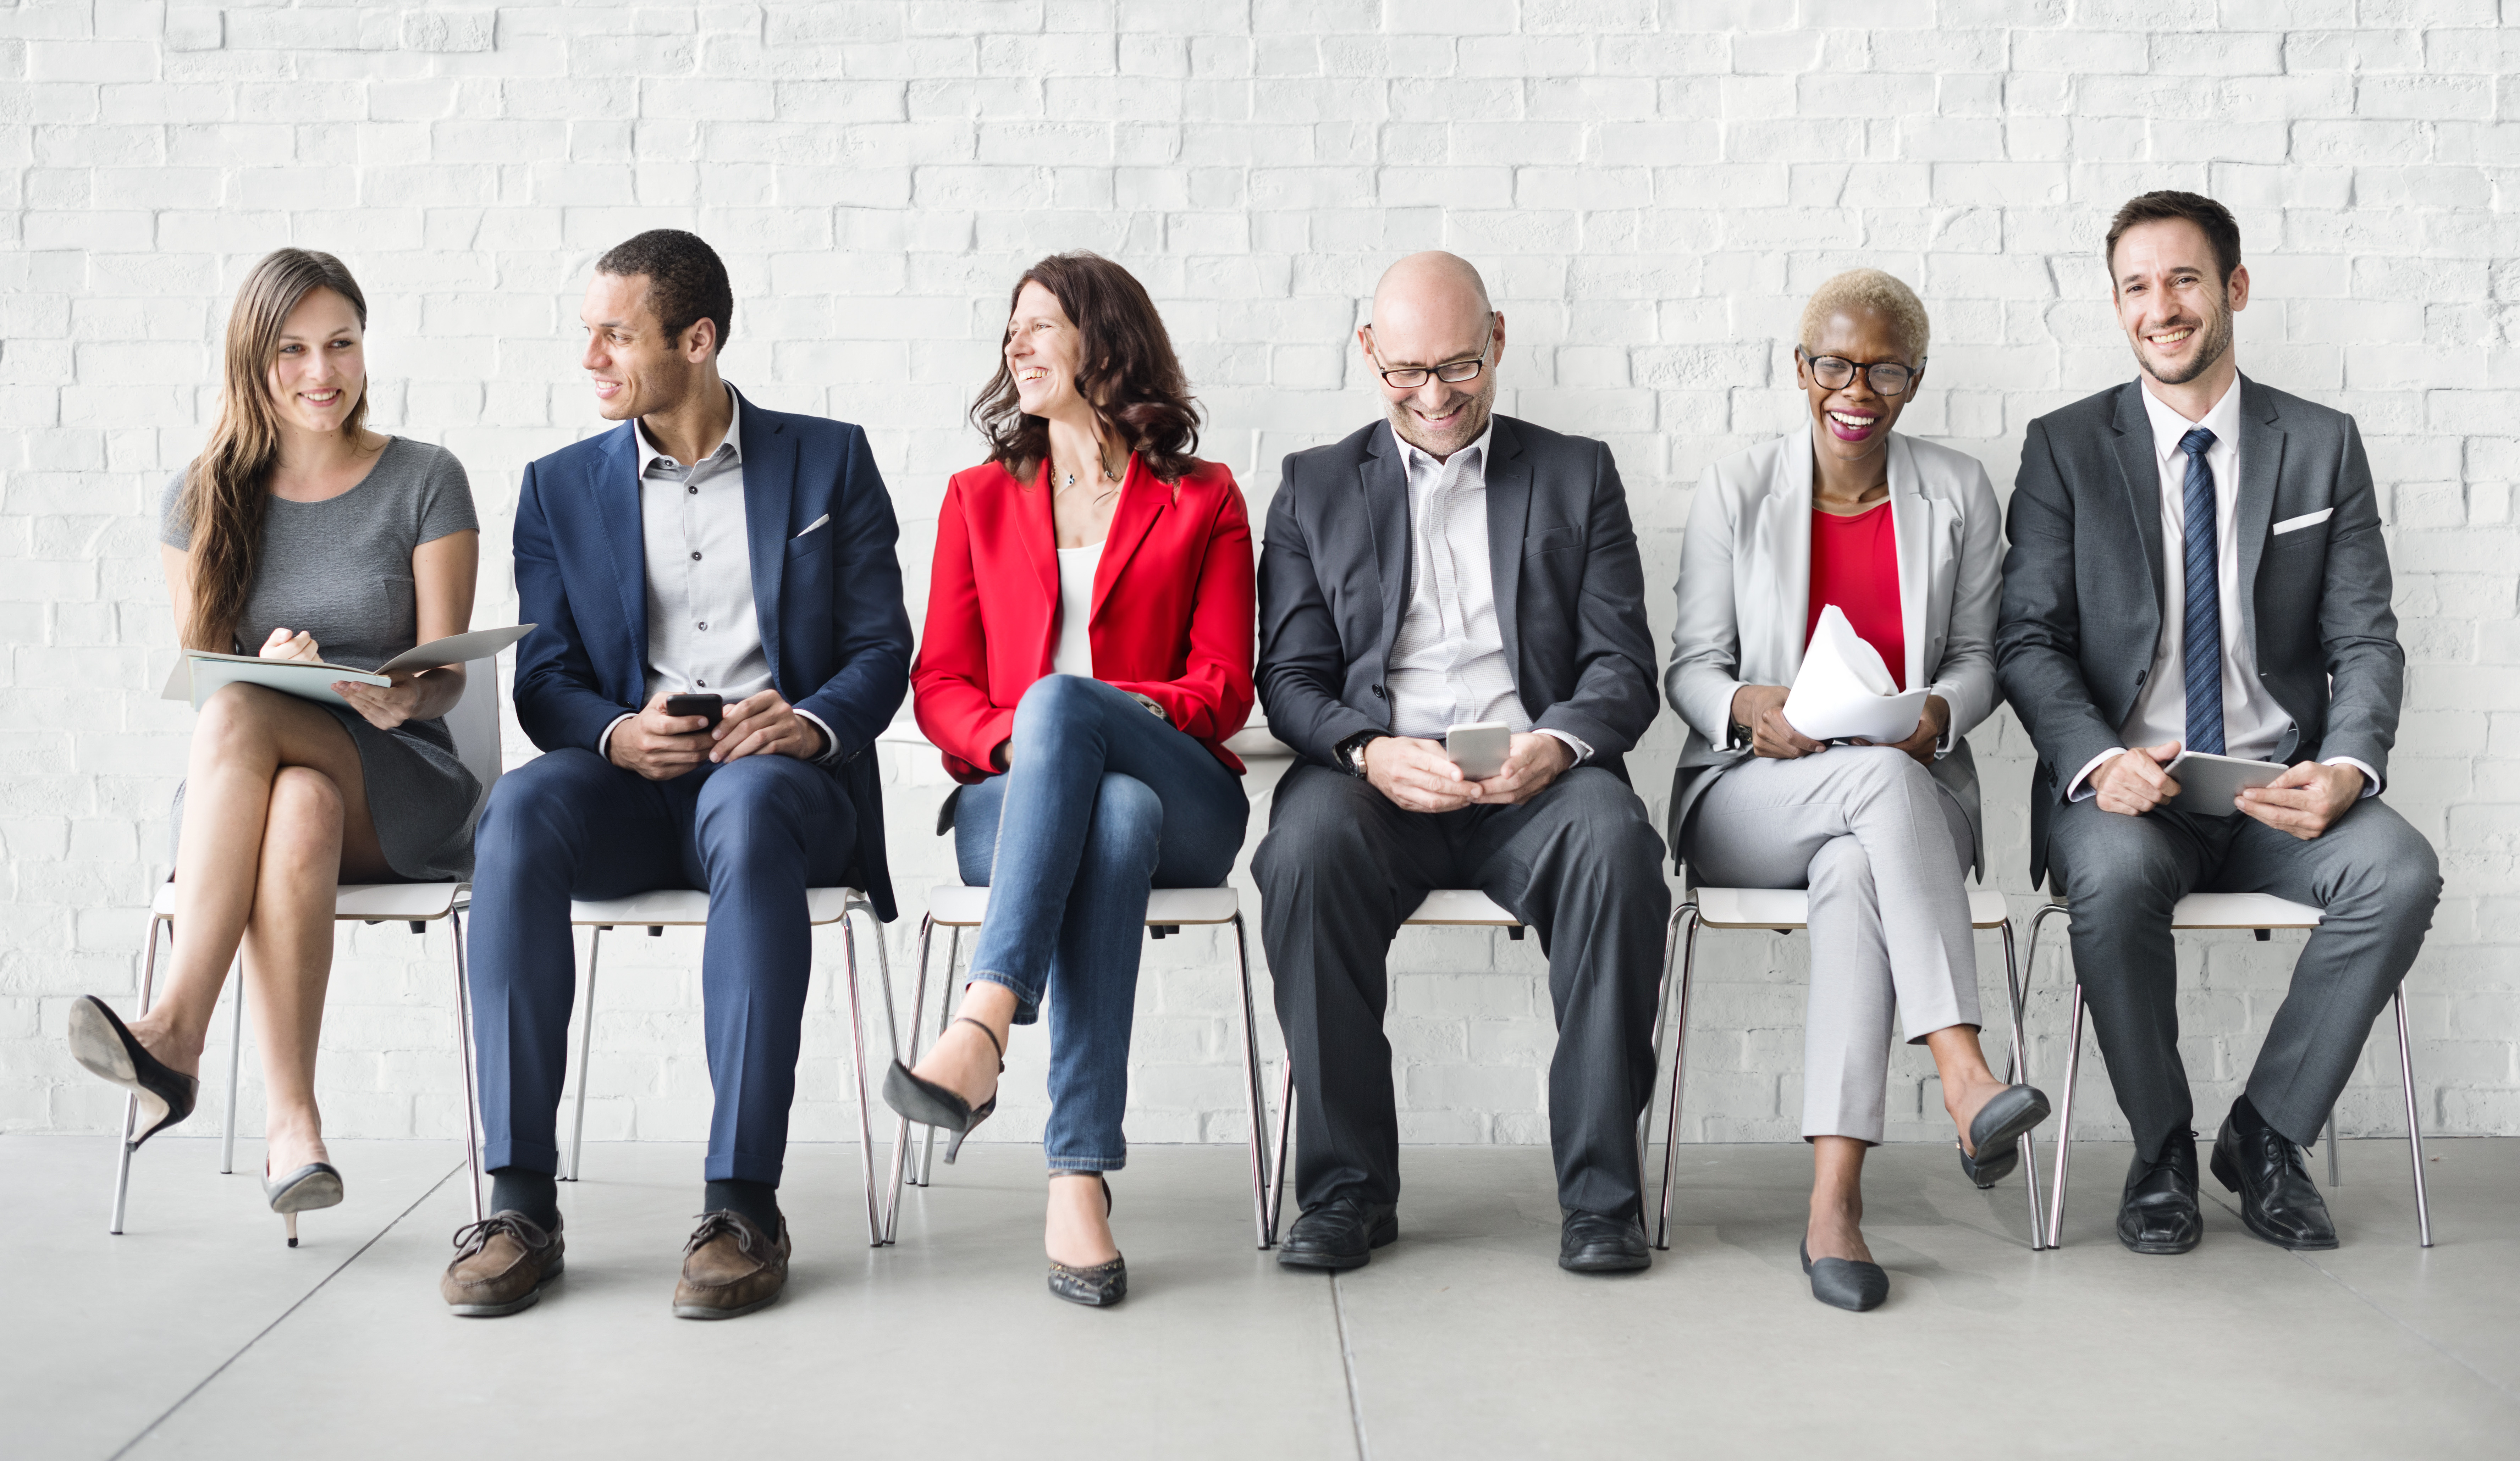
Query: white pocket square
2306 519
827 518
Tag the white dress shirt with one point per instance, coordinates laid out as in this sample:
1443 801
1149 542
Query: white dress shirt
2253 724
703 634
1448 663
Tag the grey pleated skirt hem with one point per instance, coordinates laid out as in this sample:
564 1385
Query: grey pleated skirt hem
420 795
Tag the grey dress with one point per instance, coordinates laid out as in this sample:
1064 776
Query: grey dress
341 569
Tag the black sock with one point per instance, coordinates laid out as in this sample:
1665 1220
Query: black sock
758 1201
536 1194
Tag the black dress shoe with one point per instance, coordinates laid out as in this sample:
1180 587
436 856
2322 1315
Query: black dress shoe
2158 1213
1850 1284
1340 1233
105 1046
1598 1243
2277 1200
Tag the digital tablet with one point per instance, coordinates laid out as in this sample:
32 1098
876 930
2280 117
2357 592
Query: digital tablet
2210 785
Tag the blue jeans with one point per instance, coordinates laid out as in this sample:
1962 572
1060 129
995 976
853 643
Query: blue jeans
1101 802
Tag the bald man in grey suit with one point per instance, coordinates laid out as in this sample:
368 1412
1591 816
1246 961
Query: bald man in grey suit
2196 564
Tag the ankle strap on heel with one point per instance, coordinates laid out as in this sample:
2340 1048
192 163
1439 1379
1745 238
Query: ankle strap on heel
994 1042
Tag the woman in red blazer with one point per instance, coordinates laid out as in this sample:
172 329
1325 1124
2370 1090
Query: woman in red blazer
1087 652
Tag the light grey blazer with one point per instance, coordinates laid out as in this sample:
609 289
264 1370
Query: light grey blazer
1745 597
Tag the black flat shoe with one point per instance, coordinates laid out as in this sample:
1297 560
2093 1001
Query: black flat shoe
933 1105
1598 1243
1845 1283
1995 1169
2279 1202
317 1184
2006 1118
1339 1234
1100 1286
2158 1212
104 1047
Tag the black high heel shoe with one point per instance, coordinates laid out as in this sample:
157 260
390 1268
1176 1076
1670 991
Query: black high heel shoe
317 1184
933 1105
1097 1287
105 1048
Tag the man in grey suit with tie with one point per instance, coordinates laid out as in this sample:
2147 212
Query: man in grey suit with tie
1448 567
2196 564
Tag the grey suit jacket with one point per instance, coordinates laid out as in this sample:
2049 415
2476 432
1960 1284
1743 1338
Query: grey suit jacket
1744 594
1569 589
2084 580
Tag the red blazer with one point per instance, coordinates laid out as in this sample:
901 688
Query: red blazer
1174 612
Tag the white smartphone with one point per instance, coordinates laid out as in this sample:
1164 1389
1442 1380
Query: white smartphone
2210 785
1479 748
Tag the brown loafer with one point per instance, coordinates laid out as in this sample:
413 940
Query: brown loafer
501 1265
730 1267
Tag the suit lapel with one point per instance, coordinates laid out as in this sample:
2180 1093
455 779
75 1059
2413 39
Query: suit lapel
1912 522
1143 500
614 490
1788 522
1038 530
769 486
2142 472
1385 487
1509 494
2261 447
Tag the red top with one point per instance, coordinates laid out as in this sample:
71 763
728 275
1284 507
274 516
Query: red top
1172 618
1855 565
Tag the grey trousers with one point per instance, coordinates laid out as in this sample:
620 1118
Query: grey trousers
1578 863
2374 880
1884 851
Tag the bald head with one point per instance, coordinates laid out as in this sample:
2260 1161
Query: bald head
1431 310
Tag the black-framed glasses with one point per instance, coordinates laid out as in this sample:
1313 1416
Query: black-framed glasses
1888 377
1451 371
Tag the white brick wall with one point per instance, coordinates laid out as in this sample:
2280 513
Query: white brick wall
1652 188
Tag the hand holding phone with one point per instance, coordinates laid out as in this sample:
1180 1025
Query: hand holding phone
712 706
1479 748
664 739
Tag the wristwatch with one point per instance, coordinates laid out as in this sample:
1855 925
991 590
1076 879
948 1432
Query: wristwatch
1351 751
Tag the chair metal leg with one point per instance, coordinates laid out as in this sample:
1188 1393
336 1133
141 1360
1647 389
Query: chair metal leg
2334 1178
1254 1093
2414 1126
1285 1123
464 1044
131 1103
944 1017
2065 1121
1662 1001
2029 979
1679 1070
2020 1071
585 1051
857 1059
236 1061
901 1127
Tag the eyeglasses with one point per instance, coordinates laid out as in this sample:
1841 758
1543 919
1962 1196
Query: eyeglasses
1451 372
1835 373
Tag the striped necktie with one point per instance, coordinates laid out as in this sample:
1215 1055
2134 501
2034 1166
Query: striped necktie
2202 646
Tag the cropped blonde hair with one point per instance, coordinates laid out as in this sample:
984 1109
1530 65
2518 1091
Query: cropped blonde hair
1869 290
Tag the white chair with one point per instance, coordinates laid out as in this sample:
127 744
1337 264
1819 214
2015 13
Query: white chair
684 907
2260 914
474 724
955 908
1469 907
1785 909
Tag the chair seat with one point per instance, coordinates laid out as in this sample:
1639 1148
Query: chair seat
687 907
412 903
1462 905
2202 910
954 905
1791 908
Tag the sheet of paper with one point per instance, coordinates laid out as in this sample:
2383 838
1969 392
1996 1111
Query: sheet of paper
456 649
1844 691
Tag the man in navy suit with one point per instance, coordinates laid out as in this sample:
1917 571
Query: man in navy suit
707 546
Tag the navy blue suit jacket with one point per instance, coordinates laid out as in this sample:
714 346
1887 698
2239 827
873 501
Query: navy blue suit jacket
828 601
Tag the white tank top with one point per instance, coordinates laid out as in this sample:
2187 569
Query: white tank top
1075 652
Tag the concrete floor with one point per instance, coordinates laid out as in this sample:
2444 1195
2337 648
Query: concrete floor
200 1334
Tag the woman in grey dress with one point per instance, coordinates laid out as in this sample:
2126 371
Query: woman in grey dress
299 534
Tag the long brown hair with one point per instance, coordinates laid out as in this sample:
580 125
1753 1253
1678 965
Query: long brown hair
1126 370
226 495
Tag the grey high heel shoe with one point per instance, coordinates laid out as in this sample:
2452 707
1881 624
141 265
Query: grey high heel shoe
1100 1286
317 1184
933 1105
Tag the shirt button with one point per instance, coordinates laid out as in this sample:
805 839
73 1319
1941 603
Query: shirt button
704 624
696 557
703 683
694 491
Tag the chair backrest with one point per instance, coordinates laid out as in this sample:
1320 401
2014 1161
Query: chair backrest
474 725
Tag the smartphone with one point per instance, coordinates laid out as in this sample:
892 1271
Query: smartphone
1479 749
712 706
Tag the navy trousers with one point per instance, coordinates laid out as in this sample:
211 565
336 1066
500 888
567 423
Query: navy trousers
753 833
